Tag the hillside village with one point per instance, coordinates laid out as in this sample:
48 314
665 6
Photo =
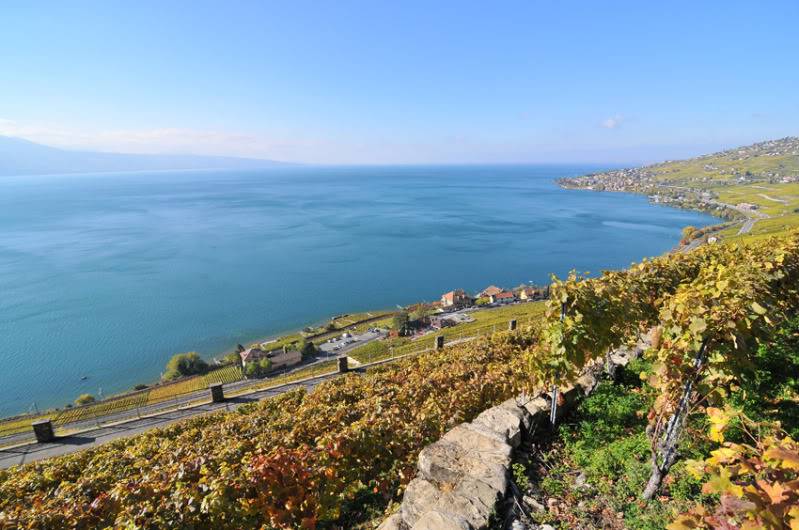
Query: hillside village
740 165
754 188
415 320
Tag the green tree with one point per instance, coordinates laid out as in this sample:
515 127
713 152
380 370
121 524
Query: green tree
421 313
233 358
85 399
400 322
307 348
258 368
184 364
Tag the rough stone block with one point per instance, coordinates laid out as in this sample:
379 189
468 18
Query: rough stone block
537 408
394 522
479 438
420 496
512 405
502 421
445 462
587 383
441 521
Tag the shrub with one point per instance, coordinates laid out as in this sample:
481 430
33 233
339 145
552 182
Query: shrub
85 399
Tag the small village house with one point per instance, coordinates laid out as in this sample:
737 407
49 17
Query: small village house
505 297
456 298
528 293
489 291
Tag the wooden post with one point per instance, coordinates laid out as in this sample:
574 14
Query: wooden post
217 393
439 342
43 430
343 367
512 325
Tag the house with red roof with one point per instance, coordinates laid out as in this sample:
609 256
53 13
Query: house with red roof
489 291
456 298
505 297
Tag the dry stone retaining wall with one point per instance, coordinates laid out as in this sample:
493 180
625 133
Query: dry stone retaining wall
462 477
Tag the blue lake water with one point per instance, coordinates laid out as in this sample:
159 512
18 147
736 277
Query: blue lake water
108 275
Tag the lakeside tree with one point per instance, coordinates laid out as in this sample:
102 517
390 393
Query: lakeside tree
421 314
688 233
400 322
233 358
183 364
307 348
85 399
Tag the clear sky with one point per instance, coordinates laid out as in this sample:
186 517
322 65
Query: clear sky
401 81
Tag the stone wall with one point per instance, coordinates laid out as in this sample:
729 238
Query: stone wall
462 477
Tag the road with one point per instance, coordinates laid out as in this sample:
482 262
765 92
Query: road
752 216
781 201
68 444
176 402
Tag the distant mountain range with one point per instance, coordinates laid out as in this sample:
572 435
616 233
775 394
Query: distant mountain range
22 157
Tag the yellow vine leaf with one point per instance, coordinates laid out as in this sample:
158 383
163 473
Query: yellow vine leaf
719 419
721 484
793 517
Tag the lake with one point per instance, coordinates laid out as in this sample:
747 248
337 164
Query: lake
107 276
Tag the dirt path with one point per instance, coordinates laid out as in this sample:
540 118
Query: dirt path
781 201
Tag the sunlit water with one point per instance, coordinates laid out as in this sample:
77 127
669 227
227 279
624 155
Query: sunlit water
106 276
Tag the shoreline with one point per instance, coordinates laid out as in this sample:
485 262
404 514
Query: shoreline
216 357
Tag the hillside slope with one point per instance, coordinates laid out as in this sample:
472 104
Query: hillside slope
757 185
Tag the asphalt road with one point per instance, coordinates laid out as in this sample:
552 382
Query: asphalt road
32 452
183 400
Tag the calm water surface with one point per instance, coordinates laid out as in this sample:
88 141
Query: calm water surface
107 276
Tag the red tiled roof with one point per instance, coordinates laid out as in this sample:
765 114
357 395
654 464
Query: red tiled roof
502 296
491 290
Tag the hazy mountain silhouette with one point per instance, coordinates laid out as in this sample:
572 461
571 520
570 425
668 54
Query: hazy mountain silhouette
22 157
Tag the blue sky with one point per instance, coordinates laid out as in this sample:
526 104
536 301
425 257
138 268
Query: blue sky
401 82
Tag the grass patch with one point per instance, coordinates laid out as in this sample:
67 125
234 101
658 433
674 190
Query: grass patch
591 472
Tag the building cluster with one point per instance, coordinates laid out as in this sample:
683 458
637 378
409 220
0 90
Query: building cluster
492 295
721 167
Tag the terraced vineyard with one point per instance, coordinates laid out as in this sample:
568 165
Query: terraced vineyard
296 460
